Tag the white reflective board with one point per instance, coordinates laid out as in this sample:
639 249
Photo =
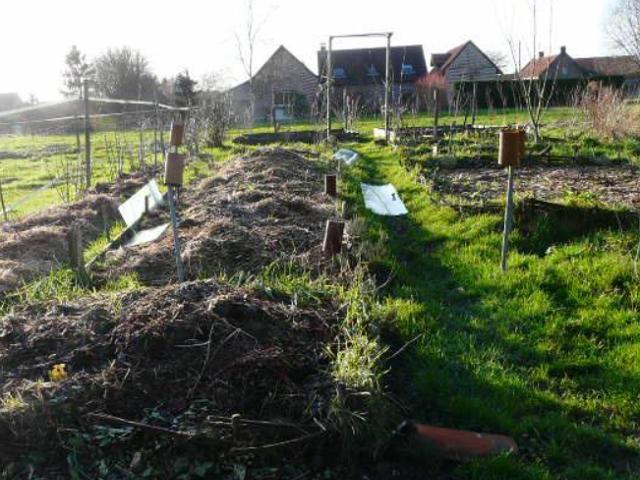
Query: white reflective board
148 236
348 157
383 200
133 209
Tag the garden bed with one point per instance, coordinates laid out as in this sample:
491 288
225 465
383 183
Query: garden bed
260 208
616 186
309 137
37 244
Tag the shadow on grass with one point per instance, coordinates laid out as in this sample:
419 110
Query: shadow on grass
481 368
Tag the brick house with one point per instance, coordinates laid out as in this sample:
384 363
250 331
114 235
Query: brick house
361 73
569 74
283 88
465 64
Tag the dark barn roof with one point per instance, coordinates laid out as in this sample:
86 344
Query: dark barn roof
367 65
625 66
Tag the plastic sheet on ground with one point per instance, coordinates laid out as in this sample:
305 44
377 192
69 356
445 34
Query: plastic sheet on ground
133 209
383 200
348 157
148 236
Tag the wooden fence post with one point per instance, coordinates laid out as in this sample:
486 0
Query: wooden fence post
76 254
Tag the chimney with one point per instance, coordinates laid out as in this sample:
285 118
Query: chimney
563 50
540 54
323 47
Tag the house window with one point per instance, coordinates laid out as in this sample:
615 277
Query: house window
339 72
372 71
407 69
565 71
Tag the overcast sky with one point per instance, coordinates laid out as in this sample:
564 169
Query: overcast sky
199 35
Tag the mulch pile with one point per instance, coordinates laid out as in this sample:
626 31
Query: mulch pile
266 206
613 185
37 244
195 354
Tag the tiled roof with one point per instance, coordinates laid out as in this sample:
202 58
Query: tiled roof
611 66
357 64
537 67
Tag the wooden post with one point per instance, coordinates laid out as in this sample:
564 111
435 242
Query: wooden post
333 238
331 185
387 88
329 86
2 204
87 133
76 254
508 222
105 221
235 426
436 119
156 123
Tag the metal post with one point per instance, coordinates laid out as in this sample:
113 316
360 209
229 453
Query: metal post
87 133
329 85
386 88
176 238
508 223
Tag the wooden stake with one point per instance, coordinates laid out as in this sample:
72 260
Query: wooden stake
105 220
333 238
2 204
331 185
387 89
87 133
508 222
76 254
329 86
235 425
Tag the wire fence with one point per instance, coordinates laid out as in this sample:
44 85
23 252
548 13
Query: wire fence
43 149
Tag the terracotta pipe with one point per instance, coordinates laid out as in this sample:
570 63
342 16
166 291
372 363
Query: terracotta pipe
458 445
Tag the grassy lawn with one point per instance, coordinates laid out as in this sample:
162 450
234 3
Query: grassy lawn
40 159
548 353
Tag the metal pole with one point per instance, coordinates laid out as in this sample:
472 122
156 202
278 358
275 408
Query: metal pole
329 85
387 123
87 133
508 223
176 237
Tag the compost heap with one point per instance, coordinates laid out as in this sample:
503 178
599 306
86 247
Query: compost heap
134 378
194 355
265 206
37 244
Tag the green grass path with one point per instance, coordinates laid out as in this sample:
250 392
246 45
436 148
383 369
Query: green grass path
548 353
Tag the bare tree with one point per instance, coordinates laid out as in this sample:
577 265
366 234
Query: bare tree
537 81
499 59
246 43
623 27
